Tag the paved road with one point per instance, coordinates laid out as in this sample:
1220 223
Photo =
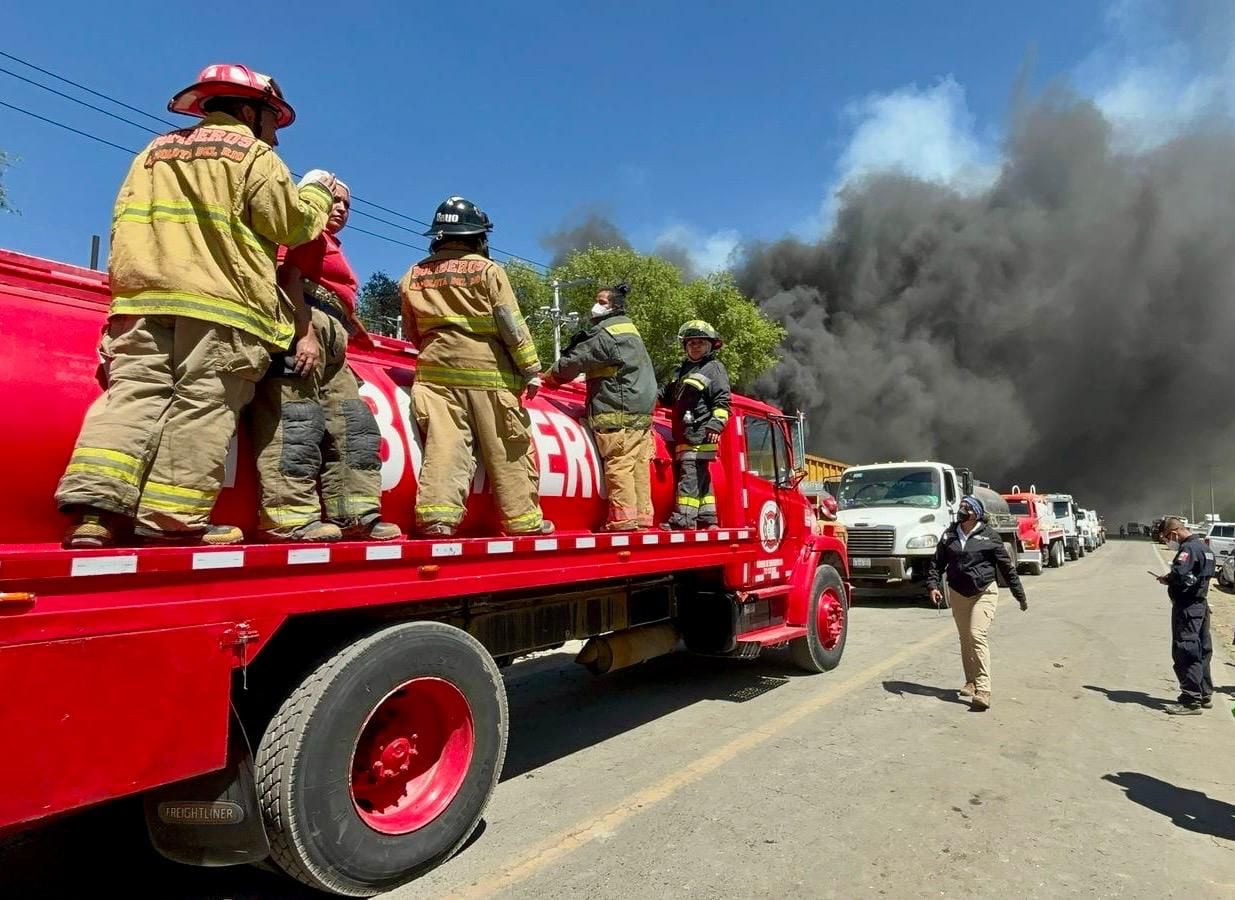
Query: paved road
701 778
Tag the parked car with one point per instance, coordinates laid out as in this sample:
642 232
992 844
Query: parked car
1221 538
1226 571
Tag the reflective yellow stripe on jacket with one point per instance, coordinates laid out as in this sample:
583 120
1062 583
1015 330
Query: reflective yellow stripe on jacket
470 324
449 376
184 211
210 309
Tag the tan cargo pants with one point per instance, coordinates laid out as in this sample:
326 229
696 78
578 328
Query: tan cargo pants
154 446
627 455
316 426
974 616
452 422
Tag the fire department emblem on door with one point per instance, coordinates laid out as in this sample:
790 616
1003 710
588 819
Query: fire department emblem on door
771 526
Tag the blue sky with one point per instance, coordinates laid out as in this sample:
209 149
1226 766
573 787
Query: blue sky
702 123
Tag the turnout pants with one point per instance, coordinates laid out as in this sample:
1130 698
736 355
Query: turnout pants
973 616
1192 647
695 506
456 425
627 454
154 446
311 427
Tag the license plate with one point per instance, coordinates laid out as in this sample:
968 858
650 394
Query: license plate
860 562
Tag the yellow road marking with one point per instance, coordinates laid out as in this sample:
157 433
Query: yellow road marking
552 849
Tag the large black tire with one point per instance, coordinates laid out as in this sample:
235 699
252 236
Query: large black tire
304 761
816 653
1056 555
1034 567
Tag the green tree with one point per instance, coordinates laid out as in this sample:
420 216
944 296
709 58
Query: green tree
378 305
659 303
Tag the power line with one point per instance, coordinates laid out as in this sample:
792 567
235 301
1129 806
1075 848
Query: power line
383 237
356 198
82 87
131 151
65 127
99 109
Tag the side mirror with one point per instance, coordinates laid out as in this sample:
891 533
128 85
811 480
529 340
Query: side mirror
797 431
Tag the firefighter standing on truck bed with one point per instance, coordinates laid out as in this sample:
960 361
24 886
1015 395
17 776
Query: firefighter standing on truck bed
194 311
699 395
1192 647
476 357
308 419
621 395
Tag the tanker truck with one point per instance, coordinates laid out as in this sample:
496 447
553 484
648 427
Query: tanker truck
896 512
338 710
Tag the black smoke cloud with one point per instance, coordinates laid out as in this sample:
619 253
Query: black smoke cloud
593 229
1072 326
597 230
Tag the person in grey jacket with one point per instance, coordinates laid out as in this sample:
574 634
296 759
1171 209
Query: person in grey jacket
621 394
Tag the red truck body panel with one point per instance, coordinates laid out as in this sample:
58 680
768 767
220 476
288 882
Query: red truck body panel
1030 529
117 663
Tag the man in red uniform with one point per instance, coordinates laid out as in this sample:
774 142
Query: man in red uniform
308 418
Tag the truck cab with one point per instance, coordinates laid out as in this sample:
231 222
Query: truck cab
1040 537
894 514
1069 515
1091 530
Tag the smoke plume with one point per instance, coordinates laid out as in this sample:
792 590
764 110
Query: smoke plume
593 230
1072 325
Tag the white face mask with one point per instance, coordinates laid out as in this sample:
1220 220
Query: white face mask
1172 545
599 309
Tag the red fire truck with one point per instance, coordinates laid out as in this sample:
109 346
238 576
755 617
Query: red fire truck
339 708
1040 537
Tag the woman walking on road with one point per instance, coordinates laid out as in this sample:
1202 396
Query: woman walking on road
967 557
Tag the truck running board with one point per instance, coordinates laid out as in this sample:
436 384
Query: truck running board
772 635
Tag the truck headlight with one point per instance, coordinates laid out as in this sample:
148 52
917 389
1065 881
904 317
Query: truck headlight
922 542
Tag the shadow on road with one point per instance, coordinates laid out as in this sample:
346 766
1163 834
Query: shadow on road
1140 698
82 855
900 688
890 600
564 710
1187 809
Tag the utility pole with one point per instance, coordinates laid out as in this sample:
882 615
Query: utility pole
555 315
1192 494
94 251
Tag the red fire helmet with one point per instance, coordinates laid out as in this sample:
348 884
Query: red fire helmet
233 80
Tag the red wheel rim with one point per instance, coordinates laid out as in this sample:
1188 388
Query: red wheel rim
830 618
412 756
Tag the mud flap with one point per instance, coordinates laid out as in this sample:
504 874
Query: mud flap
214 819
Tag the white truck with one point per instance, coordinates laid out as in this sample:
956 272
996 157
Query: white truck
895 514
1068 514
1095 534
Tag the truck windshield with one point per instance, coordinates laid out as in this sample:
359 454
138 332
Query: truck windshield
1061 509
890 487
1019 508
